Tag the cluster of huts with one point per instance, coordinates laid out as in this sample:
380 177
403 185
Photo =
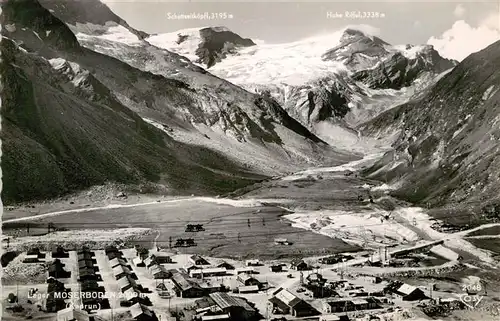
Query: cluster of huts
87 268
125 277
153 264
55 295
93 294
350 304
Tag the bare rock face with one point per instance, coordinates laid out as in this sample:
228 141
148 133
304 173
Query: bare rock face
382 66
218 42
397 70
357 50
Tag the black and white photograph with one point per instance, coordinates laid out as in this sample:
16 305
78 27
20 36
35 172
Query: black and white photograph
194 160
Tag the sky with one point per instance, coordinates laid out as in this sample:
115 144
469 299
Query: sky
455 29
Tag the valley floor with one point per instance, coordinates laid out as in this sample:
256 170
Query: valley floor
318 211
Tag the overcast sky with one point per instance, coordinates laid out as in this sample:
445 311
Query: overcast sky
455 28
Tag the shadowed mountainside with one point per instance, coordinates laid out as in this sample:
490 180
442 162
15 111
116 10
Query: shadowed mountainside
448 150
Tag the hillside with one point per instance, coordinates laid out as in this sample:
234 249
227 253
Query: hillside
95 118
448 150
63 130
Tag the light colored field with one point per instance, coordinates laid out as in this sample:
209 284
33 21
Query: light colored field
233 228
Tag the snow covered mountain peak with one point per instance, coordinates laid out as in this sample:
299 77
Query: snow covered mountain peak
357 50
354 33
336 77
219 29
206 46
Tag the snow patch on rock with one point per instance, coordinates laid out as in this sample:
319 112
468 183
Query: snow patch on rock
111 31
488 93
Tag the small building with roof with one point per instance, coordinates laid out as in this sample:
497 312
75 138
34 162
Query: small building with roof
408 292
285 302
127 282
226 265
59 252
160 272
247 279
161 258
248 270
185 288
86 256
31 258
121 271
119 261
209 272
139 262
149 262
87 264
112 255
56 270
237 308
140 312
299 265
198 260
248 289
253 262
276 268
86 273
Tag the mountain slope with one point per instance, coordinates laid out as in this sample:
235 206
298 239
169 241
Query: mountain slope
215 130
62 130
401 68
94 15
448 150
